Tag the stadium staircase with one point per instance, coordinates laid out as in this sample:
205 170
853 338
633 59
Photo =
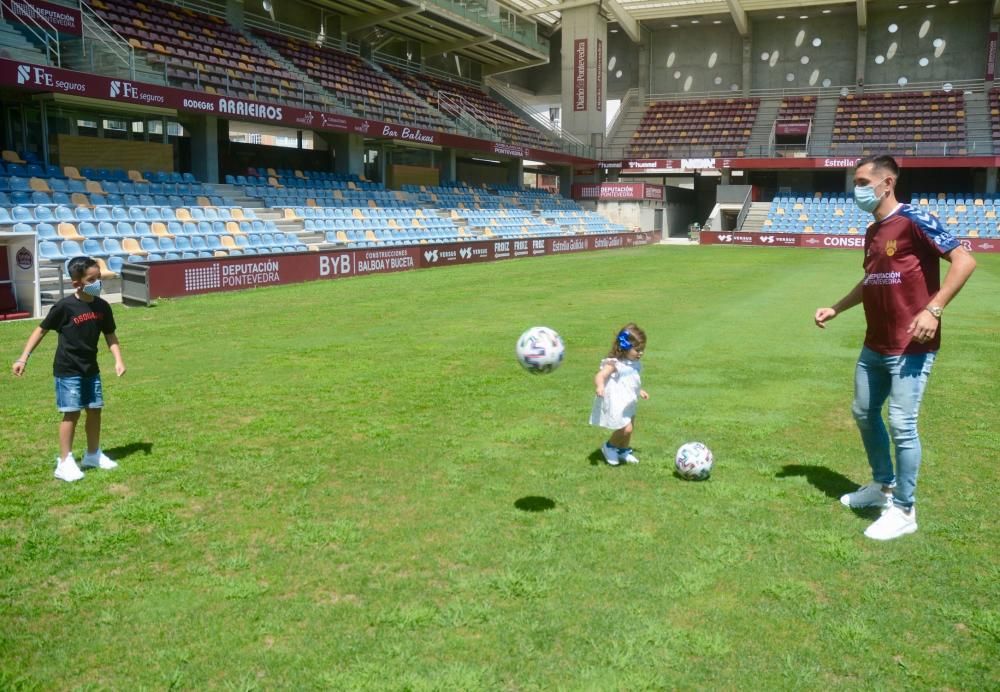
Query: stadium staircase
309 85
510 100
822 132
978 133
760 134
463 127
15 46
235 196
619 137
99 59
754 220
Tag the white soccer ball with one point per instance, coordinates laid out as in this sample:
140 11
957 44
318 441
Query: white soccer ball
540 350
694 461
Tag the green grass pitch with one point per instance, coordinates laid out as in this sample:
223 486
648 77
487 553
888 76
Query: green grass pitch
352 485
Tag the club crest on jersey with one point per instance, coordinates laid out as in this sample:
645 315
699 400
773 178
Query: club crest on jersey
890 248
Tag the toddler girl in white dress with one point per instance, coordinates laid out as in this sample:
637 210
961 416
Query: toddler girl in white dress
619 387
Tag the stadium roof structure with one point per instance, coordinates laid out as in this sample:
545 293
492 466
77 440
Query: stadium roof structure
472 28
628 13
447 26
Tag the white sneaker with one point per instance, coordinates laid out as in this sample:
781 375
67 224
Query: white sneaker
98 460
610 454
67 470
893 523
627 456
870 495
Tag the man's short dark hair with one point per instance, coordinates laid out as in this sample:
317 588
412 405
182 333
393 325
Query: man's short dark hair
78 266
883 162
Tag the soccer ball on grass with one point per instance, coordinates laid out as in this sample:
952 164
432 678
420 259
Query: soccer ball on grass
694 461
540 350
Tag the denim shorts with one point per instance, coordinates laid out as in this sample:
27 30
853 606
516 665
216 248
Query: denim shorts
76 393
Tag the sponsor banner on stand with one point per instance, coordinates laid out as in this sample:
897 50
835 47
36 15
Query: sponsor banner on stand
599 78
177 278
580 74
65 20
640 166
41 78
618 191
791 128
819 240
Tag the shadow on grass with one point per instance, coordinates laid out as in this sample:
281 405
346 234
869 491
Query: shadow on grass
118 453
534 503
831 483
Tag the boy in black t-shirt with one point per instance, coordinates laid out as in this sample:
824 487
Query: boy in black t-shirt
80 319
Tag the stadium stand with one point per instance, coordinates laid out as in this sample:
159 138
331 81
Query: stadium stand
908 123
461 101
201 51
963 216
706 127
795 108
365 89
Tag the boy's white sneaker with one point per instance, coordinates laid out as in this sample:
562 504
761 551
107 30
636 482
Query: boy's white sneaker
610 454
627 456
870 495
98 460
893 523
67 470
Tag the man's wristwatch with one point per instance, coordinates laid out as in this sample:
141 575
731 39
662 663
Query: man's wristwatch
934 310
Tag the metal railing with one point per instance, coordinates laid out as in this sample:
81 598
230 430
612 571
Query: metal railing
630 96
96 29
744 210
566 139
467 115
503 22
957 86
40 28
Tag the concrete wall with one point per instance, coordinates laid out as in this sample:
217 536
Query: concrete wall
693 59
801 53
941 44
621 65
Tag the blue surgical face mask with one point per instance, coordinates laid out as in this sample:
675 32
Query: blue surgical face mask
866 198
93 289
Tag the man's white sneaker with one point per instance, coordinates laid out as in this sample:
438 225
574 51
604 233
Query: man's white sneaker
67 470
610 454
98 460
893 523
627 456
870 495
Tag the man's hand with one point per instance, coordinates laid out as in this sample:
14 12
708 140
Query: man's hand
923 327
824 315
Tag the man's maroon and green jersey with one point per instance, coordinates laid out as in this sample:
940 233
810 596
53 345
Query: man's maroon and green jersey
902 274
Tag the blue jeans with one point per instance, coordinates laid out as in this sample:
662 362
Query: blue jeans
901 380
76 393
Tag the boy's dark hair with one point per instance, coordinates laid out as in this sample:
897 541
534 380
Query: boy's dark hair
78 266
883 162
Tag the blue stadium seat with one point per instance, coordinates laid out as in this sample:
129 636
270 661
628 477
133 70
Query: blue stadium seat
47 231
70 248
115 264
148 244
92 247
50 251
112 247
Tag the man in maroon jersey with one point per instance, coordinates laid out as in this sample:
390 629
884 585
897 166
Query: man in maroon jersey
903 299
